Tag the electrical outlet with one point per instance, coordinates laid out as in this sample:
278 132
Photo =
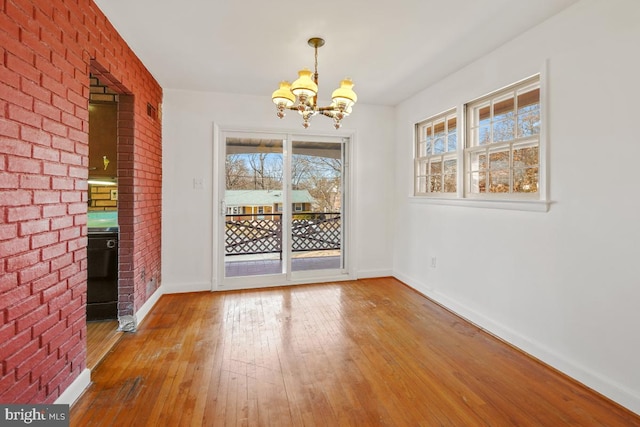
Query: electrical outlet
433 262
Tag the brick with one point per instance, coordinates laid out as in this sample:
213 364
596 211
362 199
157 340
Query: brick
31 360
33 273
73 310
50 211
30 319
62 222
43 283
32 227
46 323
22 213
62 183
24 116
44 197
23 66
35 135
35 182
50 73
14 147
14 246
54 291
21 261
23 307
66 337
70 158
76 244
24 165
44 239
16 96
45 153
79 136
55 169
46 110
53 331
8 231
71 196
8 180
54 251
9 128
69 234
77 208
15 198
8 281
13 360
69 271
54 127
60 99
63 143
58 92
71 121
61 262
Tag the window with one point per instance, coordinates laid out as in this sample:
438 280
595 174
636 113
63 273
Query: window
502 155
436 163
297 207
233 210
488 152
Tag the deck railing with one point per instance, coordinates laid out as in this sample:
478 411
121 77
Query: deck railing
262 233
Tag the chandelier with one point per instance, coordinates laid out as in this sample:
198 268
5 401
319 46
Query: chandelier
302 95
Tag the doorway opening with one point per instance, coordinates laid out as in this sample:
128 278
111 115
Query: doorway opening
283 207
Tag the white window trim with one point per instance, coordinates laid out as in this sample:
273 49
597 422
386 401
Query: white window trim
542 203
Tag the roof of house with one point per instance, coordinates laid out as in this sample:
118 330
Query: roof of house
264 197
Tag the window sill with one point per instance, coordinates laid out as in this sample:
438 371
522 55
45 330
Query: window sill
518 205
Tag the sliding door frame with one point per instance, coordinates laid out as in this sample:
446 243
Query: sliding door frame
221 282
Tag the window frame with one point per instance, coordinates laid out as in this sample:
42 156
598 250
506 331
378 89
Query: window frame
536 202
422 158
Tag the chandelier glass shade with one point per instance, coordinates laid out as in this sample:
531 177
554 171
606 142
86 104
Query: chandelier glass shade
302 95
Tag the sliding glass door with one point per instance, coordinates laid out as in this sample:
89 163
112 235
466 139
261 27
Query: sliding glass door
282 216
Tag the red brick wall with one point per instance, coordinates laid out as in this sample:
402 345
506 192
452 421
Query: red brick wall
47 49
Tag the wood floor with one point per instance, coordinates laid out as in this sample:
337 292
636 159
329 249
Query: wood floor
364 353
101 337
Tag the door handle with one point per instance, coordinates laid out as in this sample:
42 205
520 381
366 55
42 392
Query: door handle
111 243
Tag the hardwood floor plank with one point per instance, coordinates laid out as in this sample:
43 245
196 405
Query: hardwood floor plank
368 352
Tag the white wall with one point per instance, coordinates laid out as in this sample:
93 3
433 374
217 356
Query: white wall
187 213
562 285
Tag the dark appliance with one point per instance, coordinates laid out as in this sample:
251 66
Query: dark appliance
102 275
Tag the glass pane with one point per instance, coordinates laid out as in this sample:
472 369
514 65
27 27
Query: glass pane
499 181
504 130
452 138
438 146
528 121
450 166
316 223
435 184
253 228
499 160
449 183
436 167
428 146
452 141
525 156
525 180
484 133
529 112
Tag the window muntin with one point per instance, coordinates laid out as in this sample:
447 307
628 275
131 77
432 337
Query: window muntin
503 146
436 161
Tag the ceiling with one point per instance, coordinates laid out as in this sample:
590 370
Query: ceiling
389 48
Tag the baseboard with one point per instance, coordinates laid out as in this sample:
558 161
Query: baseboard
148 304
611 390
180 288
371 274
75 390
